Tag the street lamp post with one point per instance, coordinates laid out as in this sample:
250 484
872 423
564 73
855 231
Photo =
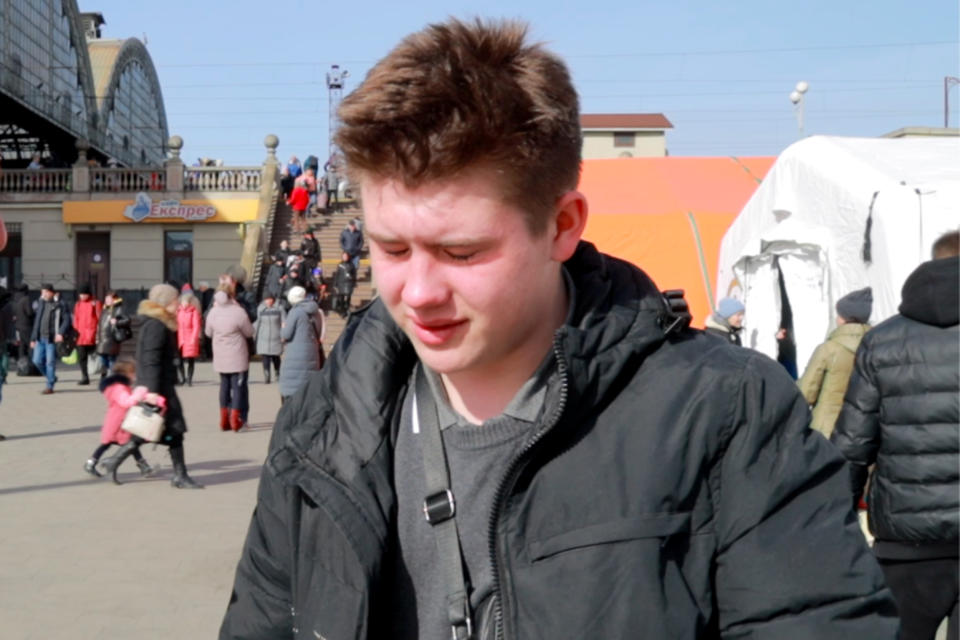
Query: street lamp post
796 97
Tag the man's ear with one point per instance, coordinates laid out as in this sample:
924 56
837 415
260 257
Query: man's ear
567 225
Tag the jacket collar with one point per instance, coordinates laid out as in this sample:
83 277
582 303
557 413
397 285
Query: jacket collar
615 322
153 310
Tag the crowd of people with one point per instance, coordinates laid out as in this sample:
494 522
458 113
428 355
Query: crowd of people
173 328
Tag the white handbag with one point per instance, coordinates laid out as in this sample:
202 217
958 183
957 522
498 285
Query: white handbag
144 421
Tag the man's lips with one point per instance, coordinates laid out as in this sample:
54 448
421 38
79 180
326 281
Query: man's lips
436 332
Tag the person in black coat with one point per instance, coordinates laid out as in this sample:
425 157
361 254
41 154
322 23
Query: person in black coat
156 370
344 281
275 278
23 315
310 250
902 414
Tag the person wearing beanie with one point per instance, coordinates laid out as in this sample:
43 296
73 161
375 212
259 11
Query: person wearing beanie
727 321
51 325
157 371
303 335
86 319
825 380
900 426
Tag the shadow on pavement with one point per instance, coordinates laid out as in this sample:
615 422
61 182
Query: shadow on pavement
241 471
59 432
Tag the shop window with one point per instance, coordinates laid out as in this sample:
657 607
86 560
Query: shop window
11 273
624 139
178 256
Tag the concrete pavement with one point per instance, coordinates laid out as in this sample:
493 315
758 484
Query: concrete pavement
82 558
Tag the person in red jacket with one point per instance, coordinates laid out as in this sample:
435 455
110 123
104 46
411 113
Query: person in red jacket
299 200
86 318
188 335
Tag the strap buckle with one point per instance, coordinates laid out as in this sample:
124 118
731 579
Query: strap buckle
439 507
469 624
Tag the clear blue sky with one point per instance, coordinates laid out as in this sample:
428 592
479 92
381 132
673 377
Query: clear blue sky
721 71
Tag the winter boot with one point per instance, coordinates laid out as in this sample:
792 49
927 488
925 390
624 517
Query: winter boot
224 419
266 377
236 422
180 478
90 466
145 468
111 464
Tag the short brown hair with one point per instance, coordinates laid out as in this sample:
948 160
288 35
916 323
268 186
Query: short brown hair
460 95
947 245
125 367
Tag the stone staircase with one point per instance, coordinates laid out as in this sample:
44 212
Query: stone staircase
326 229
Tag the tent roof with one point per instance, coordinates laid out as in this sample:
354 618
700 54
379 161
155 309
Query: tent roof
668 215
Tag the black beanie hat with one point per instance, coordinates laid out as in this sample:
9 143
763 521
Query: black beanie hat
856 306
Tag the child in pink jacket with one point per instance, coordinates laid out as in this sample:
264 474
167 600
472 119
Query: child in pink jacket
120 397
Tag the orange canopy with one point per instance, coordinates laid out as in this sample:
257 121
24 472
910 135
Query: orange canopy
668 215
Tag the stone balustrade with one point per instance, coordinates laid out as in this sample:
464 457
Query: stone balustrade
222 178
171 178
35 180
105 180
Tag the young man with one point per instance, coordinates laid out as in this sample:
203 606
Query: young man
50 325
351 242
902 414
589 468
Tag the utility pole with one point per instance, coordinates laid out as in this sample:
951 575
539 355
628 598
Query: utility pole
335 82
796 97
948 82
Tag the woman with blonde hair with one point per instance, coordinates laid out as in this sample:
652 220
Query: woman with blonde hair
156 353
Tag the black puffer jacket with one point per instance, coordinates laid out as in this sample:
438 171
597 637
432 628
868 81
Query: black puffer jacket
902 412
674 490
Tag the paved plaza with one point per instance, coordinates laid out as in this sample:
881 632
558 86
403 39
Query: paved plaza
82 558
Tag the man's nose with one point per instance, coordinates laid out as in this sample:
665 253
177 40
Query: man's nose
424 286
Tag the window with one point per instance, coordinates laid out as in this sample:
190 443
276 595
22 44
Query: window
11 273
178 256
624 139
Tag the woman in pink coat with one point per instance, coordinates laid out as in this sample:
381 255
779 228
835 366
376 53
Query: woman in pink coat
120 397
188 334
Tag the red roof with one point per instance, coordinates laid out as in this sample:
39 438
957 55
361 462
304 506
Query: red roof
624 121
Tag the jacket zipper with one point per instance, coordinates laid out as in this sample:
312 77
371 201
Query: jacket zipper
510 476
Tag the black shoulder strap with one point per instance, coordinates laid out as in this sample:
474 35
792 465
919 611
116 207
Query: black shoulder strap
439 507
677 316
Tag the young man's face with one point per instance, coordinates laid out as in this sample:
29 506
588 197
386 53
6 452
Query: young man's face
460 272
46 294
84 297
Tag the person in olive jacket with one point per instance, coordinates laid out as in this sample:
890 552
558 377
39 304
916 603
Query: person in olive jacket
902 414
519 438
157 371
824 382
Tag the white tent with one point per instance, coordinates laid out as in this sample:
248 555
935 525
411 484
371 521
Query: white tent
834 215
